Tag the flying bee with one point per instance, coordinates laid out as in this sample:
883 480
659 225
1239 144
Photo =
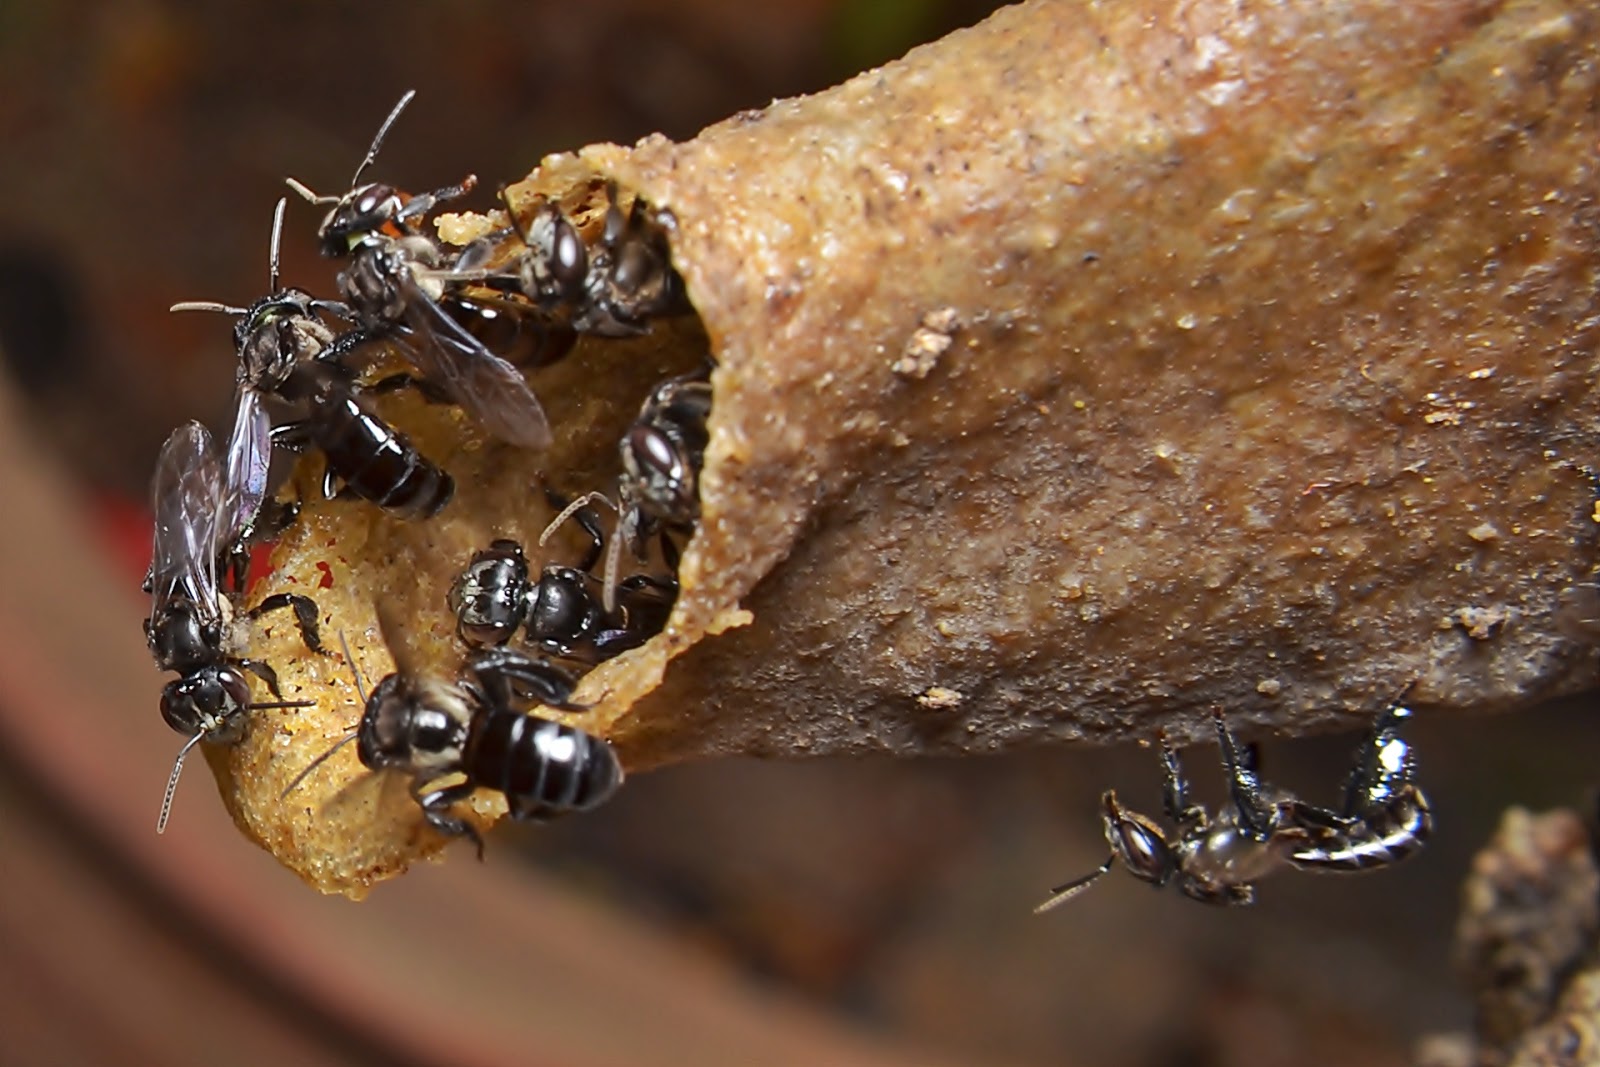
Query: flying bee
455 737
191 628
659 491
1384 818
398 286
613 290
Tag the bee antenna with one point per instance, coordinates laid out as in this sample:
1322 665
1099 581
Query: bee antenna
172 782
626 527
207 305
516 223
348 658
1063 893
383 131
343 741
277 243
314 764
572 509
306 194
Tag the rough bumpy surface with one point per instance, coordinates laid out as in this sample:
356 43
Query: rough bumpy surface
1077 373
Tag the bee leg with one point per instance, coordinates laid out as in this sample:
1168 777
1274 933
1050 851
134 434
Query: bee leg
295 436
305 617
1383 765
420 205
509 677
436 805
274 517
1244 785
1175 787
265 672
429 391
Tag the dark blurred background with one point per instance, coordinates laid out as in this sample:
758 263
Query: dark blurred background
867 911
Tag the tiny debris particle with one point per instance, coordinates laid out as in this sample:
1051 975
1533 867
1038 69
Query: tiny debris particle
730 619
1484 532
928 343
1481 624
1269 687
938 698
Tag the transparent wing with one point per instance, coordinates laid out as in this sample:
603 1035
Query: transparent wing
393 629
187 500
490 389
249 456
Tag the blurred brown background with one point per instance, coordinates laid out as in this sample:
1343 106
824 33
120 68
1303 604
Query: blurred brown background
833 912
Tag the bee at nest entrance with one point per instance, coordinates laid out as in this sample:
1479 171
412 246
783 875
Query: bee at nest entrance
566 554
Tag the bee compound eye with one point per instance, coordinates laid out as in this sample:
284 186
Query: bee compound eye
569 260
1144 852
653 456
371 200
177 707
212 699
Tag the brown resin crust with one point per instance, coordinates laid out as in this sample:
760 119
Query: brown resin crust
1077 373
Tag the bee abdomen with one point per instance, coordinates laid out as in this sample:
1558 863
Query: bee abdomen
544 768
378 464
1383 837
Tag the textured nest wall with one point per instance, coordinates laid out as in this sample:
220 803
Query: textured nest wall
1077 373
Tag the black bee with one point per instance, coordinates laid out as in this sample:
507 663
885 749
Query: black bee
659 491
662 454
613 290
1384 819
275 338
365 456
191 625
509 329
400 287
469 734
563 610
288 352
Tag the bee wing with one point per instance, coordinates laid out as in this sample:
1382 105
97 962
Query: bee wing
249 456
379 798
393 629
187 500
490 389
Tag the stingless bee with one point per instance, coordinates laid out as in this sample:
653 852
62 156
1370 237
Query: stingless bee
401 285
1383 819
454 737
191 627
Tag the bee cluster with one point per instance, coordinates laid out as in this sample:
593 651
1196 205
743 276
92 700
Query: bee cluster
468 322
462 318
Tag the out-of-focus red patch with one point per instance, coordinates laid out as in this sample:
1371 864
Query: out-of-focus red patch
125 529
326 582
260 565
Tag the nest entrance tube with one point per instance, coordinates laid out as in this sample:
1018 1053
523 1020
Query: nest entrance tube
1071 379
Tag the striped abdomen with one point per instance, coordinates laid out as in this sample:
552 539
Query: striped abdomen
374 461
543 767
1383 836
